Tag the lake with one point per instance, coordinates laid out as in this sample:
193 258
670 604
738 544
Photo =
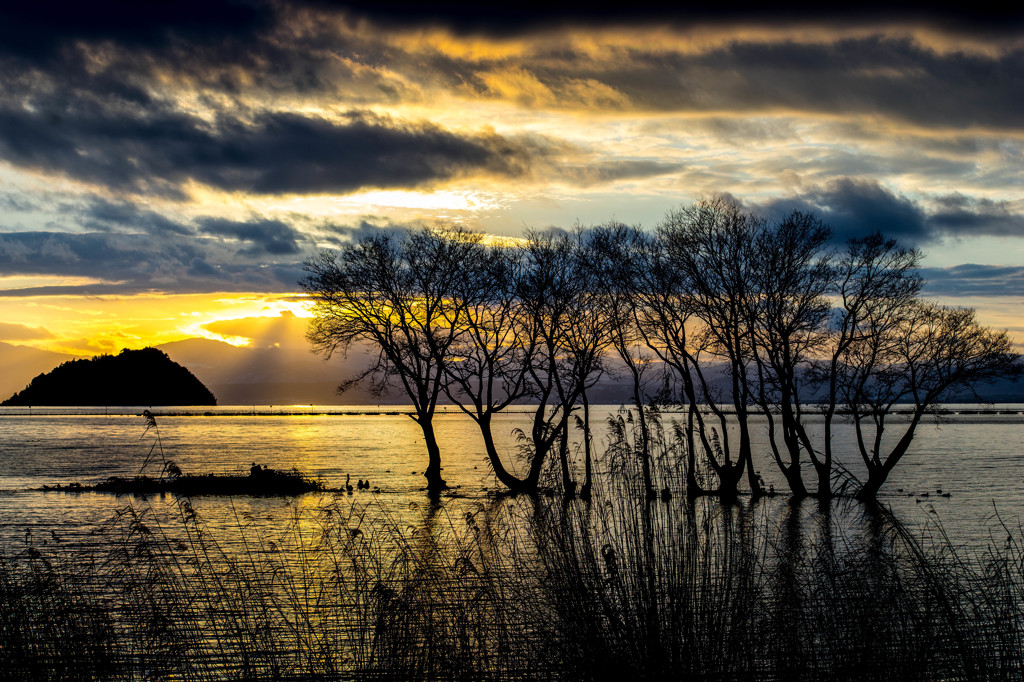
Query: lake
974 457
331 584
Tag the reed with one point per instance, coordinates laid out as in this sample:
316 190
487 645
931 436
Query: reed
541 587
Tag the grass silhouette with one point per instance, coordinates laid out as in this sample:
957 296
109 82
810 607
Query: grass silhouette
518 586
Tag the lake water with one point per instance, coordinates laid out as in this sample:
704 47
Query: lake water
976 458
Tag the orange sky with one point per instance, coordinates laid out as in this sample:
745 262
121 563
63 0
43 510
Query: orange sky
166 168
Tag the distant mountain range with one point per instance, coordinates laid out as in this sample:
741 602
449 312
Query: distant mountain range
279 368
19 364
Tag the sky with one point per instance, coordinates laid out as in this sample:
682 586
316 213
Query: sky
165 167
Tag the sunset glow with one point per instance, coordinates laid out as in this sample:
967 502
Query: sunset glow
159 177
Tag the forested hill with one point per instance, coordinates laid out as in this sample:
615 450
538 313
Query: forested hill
132 377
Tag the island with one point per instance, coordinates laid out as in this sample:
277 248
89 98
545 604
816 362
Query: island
261 481
132 377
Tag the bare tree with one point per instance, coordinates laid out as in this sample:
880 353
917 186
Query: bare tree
550 302
709 250
620 258
931 353
391 290
874 283
588 336
787 309
487 367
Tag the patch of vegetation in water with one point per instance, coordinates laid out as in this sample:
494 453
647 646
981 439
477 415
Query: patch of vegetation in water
266 483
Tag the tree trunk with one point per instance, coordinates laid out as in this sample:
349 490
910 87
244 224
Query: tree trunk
747 457
878 473
435 483
824 478
513 483
876 477
587 478
568 485
645 439
728 480
795 480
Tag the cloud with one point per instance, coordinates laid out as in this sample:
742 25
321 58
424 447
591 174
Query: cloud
963 215
14 202
267 236
875 75
206 255
972 279
10 331
600 172
103 214
283 331
41 30
132 263
158 149
855 207
512 19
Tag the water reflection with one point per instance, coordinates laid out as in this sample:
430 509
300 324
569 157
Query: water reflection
334 585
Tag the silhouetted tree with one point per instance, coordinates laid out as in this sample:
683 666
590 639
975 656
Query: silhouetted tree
551 302
930 353
391 290
589 334
487 367
874 283
787 308
620 258
709 252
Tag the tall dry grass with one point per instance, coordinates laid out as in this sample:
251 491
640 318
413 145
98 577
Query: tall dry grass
513 587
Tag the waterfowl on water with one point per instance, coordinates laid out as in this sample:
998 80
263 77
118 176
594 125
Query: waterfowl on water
348 482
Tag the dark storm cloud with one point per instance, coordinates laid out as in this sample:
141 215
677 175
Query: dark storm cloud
159 149
223 255
960 214
131 263
103 214
974 280
244 48
38 30
855 208
35 29
267 236
892 77
513 18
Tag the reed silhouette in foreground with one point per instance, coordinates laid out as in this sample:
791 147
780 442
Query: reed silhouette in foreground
542 587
